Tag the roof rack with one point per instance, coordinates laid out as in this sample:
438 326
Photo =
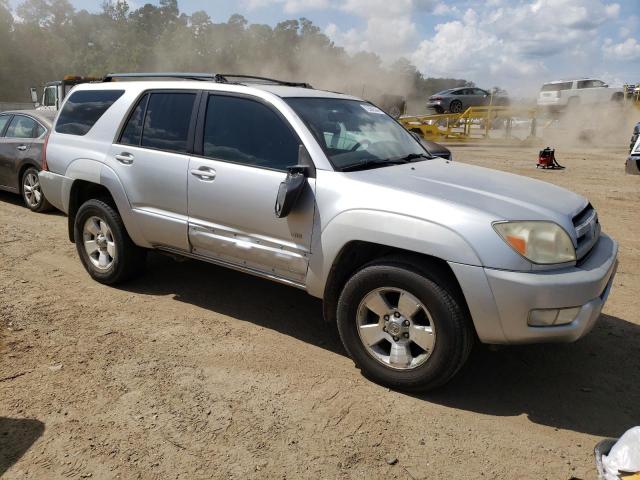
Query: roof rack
227 76
211 77
184 75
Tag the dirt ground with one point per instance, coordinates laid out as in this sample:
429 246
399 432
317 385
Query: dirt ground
193 371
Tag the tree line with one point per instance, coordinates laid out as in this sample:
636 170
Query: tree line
43 40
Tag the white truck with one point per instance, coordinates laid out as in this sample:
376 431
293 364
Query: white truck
563 94
54 92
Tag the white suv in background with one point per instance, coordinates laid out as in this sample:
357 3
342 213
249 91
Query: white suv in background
561 94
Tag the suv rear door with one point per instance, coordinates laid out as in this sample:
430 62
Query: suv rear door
151 159
242 149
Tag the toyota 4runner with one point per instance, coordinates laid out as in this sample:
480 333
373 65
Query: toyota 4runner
415 257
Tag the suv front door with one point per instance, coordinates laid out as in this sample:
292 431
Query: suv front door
242 149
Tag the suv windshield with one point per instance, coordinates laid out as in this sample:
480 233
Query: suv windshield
357 134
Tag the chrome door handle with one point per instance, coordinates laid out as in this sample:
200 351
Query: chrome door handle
22 148
125 157
204 173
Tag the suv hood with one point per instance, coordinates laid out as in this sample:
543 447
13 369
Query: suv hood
504 196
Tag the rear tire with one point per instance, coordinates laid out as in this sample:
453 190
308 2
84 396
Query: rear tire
31 191
104 246
455 106
399 360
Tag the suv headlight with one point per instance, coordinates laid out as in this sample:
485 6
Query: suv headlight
539 242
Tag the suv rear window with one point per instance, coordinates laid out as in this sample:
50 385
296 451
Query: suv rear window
83 109
554 87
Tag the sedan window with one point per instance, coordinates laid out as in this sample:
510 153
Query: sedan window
21 127
4 119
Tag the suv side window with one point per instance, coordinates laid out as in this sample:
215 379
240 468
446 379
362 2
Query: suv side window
83 109
246 131
21 127
167 120
132 133
4 119
586 84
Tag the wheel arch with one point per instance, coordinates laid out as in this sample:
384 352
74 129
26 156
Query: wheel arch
92 179
357 237
23 168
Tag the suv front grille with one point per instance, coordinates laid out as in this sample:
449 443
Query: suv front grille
587 231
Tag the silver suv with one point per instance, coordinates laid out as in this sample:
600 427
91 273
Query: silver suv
414 256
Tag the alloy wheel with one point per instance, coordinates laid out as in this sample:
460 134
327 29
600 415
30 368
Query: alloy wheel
99 243
396 328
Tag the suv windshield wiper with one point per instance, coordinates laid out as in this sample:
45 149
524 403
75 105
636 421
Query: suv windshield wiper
415 156
373 164
378 162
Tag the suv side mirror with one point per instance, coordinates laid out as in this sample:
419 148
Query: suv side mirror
290 190
34 97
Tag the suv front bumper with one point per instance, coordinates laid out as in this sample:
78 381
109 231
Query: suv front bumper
514 295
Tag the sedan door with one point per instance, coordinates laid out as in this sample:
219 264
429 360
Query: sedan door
15 145
6 151
243 148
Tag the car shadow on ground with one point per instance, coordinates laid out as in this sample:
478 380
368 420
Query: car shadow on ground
269 304
591 386
16 199
16 437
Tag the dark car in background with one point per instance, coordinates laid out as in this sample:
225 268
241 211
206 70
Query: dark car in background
22 136
457 100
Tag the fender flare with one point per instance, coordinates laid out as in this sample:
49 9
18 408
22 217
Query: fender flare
387 229
97 172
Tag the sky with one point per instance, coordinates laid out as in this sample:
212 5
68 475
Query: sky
514 44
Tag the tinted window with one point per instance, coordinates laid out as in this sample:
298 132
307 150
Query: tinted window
20 127
555 87
245 131
166 123
40 130
3 122
133 131
83 109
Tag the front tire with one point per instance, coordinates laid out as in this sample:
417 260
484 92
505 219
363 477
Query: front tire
404 328
104 247
31 191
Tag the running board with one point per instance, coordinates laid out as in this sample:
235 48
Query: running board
232 266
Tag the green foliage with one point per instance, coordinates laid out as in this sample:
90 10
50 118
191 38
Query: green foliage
49 39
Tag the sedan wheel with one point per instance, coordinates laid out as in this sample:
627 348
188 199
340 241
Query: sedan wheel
455 106
31 189
32 194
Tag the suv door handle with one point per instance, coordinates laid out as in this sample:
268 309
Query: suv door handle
204 173
125 157
22 148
